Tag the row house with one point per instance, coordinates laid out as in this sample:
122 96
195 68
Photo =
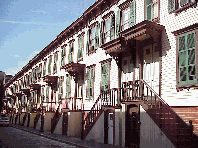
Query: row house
124 73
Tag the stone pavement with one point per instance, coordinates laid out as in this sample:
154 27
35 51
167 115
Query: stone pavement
65 139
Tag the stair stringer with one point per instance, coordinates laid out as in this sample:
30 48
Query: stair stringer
150 133
97 131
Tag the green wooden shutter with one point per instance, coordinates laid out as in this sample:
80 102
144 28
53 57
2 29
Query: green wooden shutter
97 36
47 94
63 57
87 44
101 32
49 65
112 29
70 53
60 88
88 83
187 58
132 20
44 68
68 87
171 5
55 61
149 10
118 24
80 47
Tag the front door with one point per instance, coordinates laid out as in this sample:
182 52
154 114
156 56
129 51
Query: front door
110 128
132 135
151 66
65 123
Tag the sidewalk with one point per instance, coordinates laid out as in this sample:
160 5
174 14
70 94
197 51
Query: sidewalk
64 139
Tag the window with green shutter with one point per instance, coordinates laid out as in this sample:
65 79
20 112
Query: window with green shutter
90 83
63 56
112 29
47 94
152 8
55 63
118 24
187 58
105 77
88 41
180 5
80 48
60 88
70 56
49 64
68 87
101 32
44 68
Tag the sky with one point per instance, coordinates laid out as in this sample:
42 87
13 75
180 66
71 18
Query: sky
28 26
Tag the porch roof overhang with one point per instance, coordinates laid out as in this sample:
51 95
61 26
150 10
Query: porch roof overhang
35 86
7 98
143 31
50 79
18 94
25 90
74 68
139 32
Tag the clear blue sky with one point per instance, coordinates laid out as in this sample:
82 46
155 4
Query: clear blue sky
27 26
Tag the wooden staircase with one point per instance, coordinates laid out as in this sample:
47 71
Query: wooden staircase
106 99
55 119
171 124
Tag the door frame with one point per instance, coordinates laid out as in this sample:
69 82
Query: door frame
65 123
129 106
106 115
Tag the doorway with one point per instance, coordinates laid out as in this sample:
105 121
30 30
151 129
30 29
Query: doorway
65 123
151 66
132 132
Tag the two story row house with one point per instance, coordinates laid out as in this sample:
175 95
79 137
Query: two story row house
124 73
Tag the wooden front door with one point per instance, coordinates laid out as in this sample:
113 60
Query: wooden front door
65 123
132 134
151 66
110 128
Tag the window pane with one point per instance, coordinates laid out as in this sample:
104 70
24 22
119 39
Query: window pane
182 43
125 19
183 74
191 72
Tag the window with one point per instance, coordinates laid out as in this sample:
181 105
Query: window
90 83
187 58
55 62
68 87
92 38
44 68
126 16
63 57
80 48
39 71
180 4
105 77
70 56
152 8
107 30
47 94
60 88
49 64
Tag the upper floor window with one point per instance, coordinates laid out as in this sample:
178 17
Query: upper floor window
55 62
70 56
63 56
180 4
107 30
152 8
49 64
92 38
126 16
80 48
39 71
44 68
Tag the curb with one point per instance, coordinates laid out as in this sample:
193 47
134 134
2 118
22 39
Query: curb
52 138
